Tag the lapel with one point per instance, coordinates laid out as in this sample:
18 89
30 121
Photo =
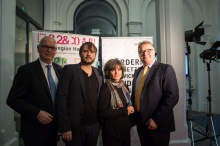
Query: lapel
41 76
82 81
151 72
99 78
56 70
81 78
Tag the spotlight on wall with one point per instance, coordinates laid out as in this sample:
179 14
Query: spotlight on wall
195 36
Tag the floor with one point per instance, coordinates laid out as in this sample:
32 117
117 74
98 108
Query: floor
203 131
200 130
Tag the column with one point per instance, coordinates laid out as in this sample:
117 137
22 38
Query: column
8 135
134 23
170 43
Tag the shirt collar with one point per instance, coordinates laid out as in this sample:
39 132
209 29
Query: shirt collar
43 64
150 64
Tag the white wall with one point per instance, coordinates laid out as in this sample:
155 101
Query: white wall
194 13
170 21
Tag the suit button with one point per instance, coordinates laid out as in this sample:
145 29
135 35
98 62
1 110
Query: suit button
80 114
83 101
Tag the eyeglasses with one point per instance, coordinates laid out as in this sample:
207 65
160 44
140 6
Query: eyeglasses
144 51
45 47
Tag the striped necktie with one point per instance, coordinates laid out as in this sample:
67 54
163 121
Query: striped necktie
139 88
51 83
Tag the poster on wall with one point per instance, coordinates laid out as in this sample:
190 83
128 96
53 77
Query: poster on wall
67 46
126 50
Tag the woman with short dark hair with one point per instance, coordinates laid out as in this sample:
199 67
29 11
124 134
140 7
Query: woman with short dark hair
115 106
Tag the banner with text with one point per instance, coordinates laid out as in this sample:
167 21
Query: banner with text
126 50
67 46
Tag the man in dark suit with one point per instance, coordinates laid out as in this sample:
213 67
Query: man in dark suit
155 94
31 96
78 92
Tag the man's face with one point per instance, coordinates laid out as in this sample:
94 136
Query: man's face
87 56
147 54
47 50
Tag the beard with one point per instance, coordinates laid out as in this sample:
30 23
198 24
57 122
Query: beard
85 62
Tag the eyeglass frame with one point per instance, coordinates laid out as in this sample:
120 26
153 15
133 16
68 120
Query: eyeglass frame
45 47
144 51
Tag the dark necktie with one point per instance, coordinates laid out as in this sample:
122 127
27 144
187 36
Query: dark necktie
51 83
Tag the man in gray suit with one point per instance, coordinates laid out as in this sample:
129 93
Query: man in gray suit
78 93
155 93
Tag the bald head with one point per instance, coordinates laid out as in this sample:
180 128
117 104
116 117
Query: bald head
46 38
47 49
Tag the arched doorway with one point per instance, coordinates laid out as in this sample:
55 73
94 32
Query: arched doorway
95 18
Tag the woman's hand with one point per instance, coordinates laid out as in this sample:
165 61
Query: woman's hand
130 110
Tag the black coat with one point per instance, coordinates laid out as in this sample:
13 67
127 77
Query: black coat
115 122
71 96
29 94
159 95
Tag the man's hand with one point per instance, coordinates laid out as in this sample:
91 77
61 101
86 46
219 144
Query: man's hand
44 117
152 125
67 136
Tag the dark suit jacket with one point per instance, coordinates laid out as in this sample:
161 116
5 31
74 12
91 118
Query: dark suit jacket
159 95
71 96
29 94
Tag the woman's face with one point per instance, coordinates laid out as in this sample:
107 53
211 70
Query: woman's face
116 74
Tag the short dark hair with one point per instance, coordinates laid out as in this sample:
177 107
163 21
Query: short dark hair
110 65
90 46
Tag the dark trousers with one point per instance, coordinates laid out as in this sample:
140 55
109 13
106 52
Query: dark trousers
151 137
45 138
85 136
112 141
